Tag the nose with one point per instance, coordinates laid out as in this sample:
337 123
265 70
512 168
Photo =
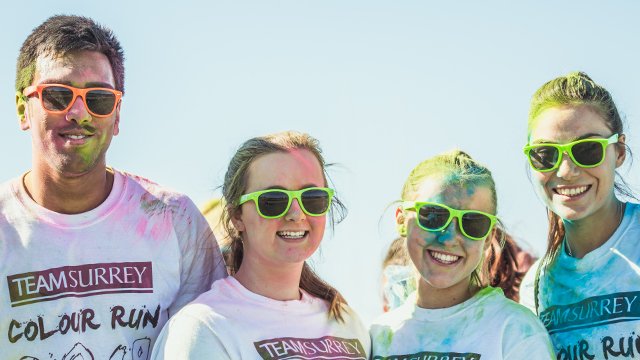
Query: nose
448 235
78 112
567 168
295 212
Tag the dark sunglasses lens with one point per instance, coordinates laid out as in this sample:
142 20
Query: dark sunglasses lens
101 102
56 98
433 217
476 225
587 153
543 157
315 201
273 203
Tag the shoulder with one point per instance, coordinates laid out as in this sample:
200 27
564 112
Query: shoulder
155 198
394 318
500 309
150 187
9 189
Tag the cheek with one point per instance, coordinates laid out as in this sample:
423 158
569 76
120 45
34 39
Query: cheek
318 225
540 181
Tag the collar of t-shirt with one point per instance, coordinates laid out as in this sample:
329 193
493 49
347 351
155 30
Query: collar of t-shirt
75 220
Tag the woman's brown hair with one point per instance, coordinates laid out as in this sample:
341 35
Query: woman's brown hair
235 185
573 89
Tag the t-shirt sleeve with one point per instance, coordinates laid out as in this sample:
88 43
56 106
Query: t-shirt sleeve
525 337
201 262
536 347
187 338
527 288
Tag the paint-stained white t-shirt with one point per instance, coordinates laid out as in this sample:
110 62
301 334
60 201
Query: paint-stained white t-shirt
231 322
591 306
487 326
100 284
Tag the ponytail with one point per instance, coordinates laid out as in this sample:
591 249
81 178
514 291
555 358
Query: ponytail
508 263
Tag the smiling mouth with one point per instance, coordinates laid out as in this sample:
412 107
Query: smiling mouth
443 258
573 191
292 235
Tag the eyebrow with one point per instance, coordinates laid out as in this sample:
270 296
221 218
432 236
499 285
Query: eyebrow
278 187
87 85
581 137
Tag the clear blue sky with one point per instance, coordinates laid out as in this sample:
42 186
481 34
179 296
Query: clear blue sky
382 85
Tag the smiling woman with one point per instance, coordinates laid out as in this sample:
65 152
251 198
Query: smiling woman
447 217
576 143
273 306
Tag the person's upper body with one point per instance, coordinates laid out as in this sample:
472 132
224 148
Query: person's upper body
234 323
274 306
586 289
447 217
95 259
486 326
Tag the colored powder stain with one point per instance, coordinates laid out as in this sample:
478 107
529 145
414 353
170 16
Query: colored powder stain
141 227
151 204
384 338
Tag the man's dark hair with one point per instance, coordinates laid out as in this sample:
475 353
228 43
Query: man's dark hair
61 34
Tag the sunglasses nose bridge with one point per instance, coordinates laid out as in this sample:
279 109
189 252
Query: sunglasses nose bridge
295 212
77 109
566 164
449 232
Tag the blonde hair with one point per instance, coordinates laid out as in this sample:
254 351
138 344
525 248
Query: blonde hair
462 170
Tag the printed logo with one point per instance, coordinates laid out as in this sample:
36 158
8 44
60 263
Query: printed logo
428 355
80 281
592 312
327 347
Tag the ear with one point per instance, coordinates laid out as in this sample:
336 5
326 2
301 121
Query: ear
489 239
236 220
116 124
21 110
401 225
621 150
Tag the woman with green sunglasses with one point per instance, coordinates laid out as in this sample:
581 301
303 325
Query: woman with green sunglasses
447 217
575 144
273 306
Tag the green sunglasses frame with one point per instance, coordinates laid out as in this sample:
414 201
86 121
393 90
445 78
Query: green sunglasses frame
562 148
416 205
292 194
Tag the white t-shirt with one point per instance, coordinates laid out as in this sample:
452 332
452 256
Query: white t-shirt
231 322
487 326
591 306
100 284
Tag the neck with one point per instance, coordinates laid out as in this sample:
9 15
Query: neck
69 195
430 297
278 281
588 234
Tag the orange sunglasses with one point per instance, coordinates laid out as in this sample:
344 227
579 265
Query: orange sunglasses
58 98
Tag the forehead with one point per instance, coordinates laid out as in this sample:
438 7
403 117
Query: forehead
567 123
77 68
445 190
292 170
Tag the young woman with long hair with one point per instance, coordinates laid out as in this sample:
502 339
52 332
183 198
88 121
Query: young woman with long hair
273 306
448 217
586 288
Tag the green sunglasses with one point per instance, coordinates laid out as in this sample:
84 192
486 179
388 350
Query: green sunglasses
430 216
274 203
586 153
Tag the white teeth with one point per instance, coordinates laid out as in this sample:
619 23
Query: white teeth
572 191
76 137
445 258
291 234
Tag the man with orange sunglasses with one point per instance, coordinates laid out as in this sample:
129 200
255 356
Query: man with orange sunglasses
94 259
